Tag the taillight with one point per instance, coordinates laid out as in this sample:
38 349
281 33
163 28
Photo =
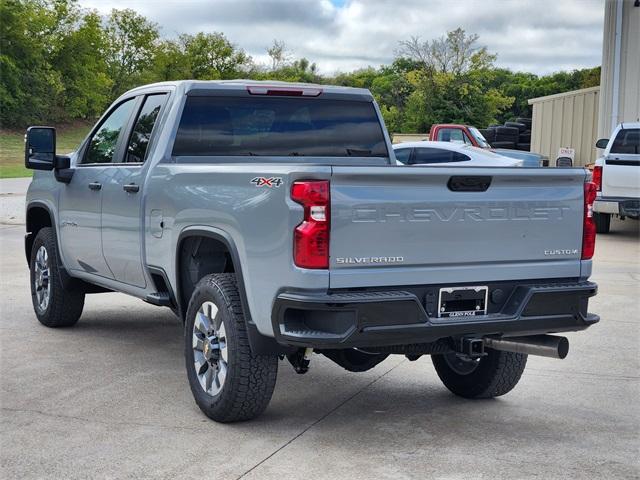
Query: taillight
588 225
311 237
596 177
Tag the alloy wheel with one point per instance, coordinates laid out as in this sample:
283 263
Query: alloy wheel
41 279
210 356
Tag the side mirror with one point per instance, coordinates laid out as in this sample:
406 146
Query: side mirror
40 148
564 162
602 143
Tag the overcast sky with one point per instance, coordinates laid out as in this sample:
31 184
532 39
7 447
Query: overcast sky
539 36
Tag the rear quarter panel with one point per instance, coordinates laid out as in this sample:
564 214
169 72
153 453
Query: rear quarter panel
258 220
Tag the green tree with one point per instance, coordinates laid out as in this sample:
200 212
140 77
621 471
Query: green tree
29 86
131 44
443 80
79 60
169 63
212 56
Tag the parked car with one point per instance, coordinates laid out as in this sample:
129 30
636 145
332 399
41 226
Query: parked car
272 219
529 159
617 176
468 135
450 154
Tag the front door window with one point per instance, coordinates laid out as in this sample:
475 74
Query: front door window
103 146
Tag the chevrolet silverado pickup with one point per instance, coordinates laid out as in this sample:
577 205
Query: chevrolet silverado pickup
273 220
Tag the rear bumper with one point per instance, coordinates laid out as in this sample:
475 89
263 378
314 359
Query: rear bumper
399 317
627 207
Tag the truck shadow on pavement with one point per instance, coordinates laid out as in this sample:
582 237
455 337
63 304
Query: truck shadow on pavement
397 394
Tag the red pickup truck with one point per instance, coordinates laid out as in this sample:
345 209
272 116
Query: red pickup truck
511 140
451 132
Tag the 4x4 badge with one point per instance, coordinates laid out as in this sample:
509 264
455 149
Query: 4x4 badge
269 182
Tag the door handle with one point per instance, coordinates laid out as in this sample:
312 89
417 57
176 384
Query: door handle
131 188
95 186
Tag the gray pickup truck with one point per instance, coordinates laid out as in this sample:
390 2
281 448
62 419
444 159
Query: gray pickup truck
273 220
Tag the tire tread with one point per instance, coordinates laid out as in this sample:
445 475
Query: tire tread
252 386
498 373
65 305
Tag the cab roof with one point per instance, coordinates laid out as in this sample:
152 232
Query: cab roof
243 84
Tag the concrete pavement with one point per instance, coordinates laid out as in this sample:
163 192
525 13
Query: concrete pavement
109 399
12 193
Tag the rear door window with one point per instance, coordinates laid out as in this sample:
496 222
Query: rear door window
277 126
424 156
627 142
141 133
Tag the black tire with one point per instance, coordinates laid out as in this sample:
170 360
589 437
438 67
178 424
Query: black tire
525 147
520 126
507 134
489 134
492 375
503 145
524 138
63 306
602 221
250 379
508 131
526 121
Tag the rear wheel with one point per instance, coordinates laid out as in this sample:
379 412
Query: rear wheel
55 305
229 383
490 376
602 221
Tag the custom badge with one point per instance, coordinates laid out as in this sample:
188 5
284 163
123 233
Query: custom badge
268 182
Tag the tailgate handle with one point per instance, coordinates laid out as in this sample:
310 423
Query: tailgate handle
465 183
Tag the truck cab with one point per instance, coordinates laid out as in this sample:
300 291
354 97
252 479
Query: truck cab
451 132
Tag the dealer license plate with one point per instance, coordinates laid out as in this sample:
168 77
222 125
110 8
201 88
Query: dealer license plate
462 301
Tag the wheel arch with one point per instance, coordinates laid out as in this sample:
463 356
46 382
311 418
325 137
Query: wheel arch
226 245
38 216
260 344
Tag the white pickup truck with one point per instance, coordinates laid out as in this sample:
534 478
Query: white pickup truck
617 176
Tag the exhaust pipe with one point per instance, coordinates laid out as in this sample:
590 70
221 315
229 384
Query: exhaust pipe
542 345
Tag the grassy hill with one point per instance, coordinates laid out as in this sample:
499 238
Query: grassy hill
12 147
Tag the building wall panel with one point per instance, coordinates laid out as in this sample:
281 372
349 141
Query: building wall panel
566 120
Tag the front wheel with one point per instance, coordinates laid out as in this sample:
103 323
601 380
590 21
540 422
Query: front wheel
55 305
229 383
490 376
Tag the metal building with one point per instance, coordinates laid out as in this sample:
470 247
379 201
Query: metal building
577 119
620 77
568 120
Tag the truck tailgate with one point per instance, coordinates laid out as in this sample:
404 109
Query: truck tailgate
416 226
621 176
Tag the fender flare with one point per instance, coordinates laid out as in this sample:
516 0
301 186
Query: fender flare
260 344
67 280
30 206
